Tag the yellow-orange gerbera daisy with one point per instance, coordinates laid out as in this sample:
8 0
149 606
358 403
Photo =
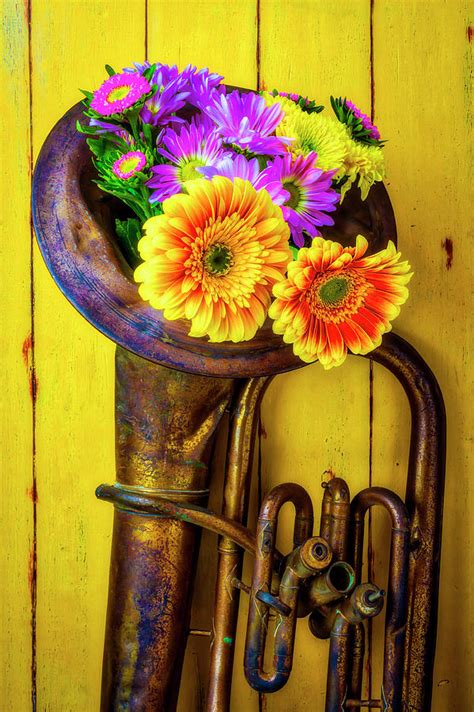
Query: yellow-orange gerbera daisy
214 256
336 299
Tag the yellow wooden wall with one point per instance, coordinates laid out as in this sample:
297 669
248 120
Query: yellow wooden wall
410 59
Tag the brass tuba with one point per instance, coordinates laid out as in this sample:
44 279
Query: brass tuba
171 394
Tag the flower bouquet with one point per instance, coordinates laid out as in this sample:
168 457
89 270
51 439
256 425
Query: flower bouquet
227 192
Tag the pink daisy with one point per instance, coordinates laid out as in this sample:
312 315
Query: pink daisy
118 93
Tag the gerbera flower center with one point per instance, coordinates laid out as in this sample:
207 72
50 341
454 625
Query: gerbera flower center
218 259
295 194
334 290
334 297
189 172
118 93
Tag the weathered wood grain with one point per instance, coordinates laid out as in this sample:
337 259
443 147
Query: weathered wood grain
17 374
423 104
71 42
315 424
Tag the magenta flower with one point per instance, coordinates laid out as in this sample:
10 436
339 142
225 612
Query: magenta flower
171 95
238 166
203 85
308 194
366 122
129 164
247 122
118 93
187 151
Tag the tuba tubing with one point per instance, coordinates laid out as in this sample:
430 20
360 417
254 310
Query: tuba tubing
261 582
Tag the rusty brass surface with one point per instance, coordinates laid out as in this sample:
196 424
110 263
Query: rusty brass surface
335 516
165 426
243 423
151 503
288 592
341 618
397 592
337 582
424 502
146 488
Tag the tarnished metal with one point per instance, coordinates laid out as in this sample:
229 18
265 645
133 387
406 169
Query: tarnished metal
424 502
335 583
243 423
304 562
165 427
153 503
397 592
335 516
365 602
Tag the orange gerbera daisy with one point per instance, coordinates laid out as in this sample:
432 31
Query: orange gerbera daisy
214 256
336 299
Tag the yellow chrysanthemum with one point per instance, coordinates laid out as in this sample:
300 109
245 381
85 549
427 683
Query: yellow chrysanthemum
288 105
312 132
214 256
364 162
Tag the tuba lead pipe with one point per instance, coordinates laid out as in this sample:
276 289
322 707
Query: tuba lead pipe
244 418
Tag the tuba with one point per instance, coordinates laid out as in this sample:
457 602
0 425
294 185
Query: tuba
171 394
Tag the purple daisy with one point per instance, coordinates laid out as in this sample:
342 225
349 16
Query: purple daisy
118 93
238 166
308 194
203 85
187 150
366 122
247 122
129 164
170 96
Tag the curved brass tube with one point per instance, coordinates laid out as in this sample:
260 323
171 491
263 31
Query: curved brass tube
303 562
335 516
424 501
365 602
244 418
395 620
132 500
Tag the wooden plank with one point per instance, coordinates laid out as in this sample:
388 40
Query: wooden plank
315 423
423 104
16 508
180 33
175 35
206 33
71 42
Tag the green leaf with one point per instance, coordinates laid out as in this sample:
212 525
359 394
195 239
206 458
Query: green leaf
88 94
294 252
109 70
128 234
148 73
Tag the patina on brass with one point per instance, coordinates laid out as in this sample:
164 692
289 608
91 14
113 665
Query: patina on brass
243 423
288 593
306 571
166 422
165 426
